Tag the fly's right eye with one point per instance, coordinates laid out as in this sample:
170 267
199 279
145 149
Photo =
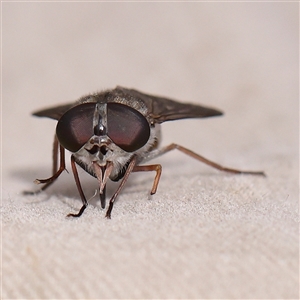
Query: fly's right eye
127 127
75 127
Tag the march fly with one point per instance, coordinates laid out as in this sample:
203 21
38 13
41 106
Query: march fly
113 133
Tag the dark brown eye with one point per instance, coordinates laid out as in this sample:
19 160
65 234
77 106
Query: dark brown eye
127 127
75 127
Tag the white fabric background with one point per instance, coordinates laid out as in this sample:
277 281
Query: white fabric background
205 234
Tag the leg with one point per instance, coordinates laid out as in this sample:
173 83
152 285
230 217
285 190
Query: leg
125 178
103 197
156 168
55 173
202 159
55 155
84 202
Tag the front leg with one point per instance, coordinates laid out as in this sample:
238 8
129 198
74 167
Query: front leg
130 169
83 199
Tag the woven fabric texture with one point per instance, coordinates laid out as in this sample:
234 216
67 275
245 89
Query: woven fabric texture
205 233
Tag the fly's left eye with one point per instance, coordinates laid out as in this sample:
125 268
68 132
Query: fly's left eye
75 127
127 127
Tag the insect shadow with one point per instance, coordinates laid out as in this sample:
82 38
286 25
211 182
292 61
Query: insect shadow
67 188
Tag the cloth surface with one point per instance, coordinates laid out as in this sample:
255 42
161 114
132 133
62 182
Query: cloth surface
205 233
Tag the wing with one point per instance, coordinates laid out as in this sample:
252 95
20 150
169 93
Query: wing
160 109
163 109
54 112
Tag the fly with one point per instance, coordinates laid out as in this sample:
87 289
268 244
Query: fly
112 133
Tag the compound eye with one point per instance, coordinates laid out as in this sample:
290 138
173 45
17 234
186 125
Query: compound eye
127 127
75 127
